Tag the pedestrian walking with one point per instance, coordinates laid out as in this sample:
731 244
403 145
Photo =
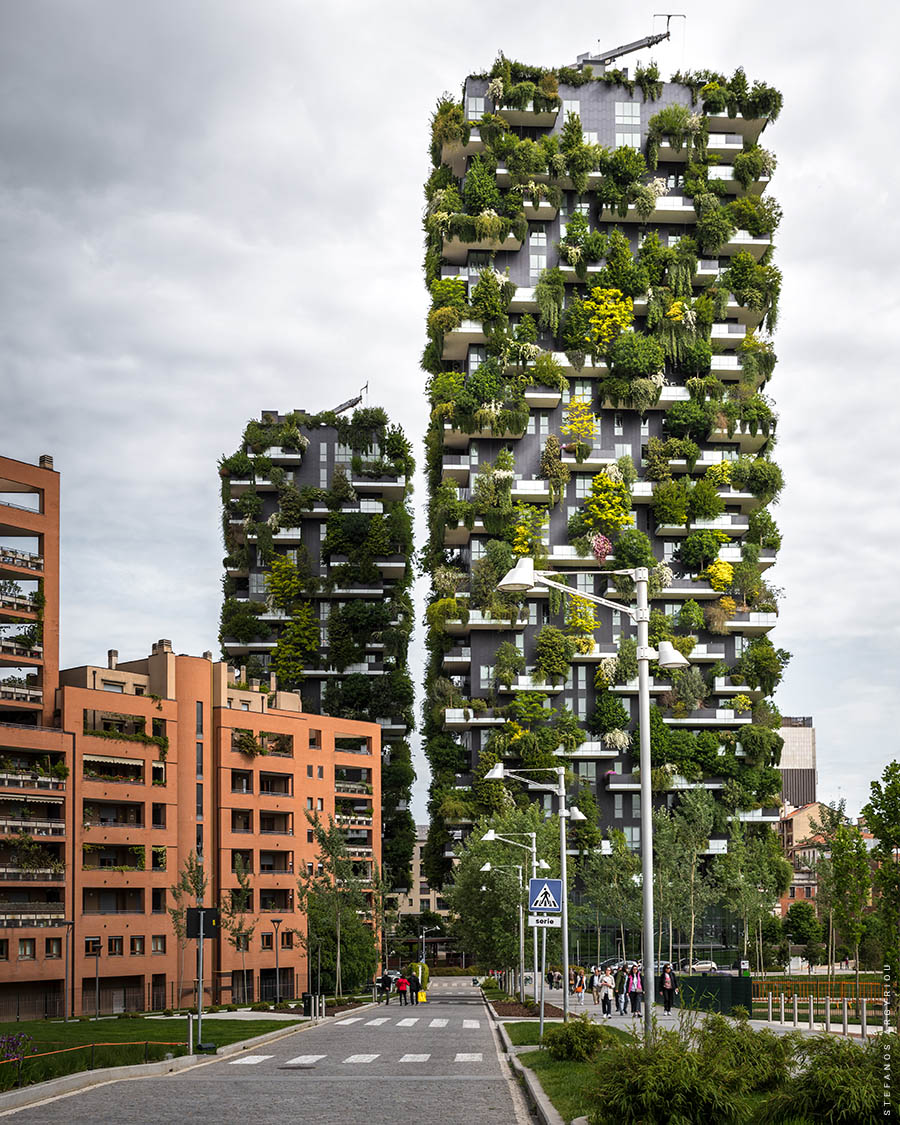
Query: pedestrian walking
619 981
594 983
578 986
402 989
635 989
414 986
571 981
385 982
606 987
668 986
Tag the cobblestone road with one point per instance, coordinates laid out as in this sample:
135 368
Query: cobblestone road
436 1062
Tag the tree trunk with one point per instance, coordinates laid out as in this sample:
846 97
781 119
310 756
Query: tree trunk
693 923
338 990
671 962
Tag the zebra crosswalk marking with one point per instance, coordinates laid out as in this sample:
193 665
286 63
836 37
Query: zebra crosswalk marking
407 1023
438 1023
250 1060
377 1023
415 1058
346 1023
360 1058
476 1057
304 1060
471 1023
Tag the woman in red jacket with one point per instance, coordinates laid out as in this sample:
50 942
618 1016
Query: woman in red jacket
403 989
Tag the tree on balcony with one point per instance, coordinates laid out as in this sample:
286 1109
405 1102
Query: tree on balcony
238 928
334 899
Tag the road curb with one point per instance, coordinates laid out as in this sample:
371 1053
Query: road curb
73 1083
543 1108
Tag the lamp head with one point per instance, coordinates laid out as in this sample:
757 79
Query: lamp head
576 814
670 657
495 773
520 578
489 836
485 867
543 865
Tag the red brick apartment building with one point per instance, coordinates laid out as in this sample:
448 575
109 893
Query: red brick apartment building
111 776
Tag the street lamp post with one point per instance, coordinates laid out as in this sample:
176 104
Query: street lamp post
524 577
493 837
69 924
499 773
425 930
517 867
276 922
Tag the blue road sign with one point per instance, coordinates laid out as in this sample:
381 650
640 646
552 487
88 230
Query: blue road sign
545 895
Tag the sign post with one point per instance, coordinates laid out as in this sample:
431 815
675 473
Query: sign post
202 922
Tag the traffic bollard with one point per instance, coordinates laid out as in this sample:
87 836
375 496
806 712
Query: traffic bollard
844 1013
863 1028
827 1013
796 1013
811 1014
770 1007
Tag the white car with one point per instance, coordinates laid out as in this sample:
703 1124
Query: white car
704 967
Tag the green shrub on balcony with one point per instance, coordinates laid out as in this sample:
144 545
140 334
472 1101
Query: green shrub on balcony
553 653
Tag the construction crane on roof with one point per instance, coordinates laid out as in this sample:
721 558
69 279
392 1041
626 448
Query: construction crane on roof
606 57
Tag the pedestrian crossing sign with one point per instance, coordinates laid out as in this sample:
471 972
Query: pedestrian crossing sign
545 895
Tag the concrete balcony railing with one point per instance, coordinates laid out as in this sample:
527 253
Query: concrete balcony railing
15 694
543 118
14 649
28 780
11 824
31 875
24 559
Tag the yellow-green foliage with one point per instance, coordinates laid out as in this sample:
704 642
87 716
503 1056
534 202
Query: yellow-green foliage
530 522
580 617
608 508
719 574
580 422
720 474
610 312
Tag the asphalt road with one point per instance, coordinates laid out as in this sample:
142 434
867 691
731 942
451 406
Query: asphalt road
436 1062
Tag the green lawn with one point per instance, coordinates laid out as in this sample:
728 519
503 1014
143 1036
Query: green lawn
126 1042
51 1034
566 1084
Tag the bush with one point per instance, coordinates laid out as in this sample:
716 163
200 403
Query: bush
579 1039
260 1007
168 1012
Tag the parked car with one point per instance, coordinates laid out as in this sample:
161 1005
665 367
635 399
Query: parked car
703 967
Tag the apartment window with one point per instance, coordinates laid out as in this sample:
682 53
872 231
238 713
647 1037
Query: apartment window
538 237
158 900
792 893
636 806
199 716
371 506
529 429
92 947
158 943
245 706
199 799
424 905
486 676
537 263
645 427
115 946
309 802
199 759
474 108
287 939
807 891
257 582
309 836
309 869
618 425
320 772
320 806
137 947
26 949
4 949
315 739
199 838
628 140
590 137
633 836
309 771
628 113
571 106
477 356
138 690
582 485
53 948
243 944
265 941
111 685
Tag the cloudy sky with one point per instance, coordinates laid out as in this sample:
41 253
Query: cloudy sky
212 207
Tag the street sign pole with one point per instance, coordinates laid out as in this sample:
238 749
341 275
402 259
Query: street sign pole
543 976
200 985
